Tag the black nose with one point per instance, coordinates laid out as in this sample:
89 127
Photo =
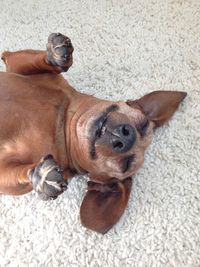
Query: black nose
122 138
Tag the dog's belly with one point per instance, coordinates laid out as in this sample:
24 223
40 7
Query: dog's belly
28 114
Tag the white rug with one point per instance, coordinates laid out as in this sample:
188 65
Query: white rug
123 49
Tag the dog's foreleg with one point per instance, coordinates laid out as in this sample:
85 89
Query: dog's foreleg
56 59
45 178
14 179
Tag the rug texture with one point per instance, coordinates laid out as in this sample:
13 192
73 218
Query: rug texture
123 50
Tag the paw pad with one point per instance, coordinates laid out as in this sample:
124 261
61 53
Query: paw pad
59 50
47 179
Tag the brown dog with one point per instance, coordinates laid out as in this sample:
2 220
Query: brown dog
50 132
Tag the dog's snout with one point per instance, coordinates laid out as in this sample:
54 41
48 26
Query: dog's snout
122 138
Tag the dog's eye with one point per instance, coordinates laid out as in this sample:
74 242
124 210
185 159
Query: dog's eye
143 127
101 127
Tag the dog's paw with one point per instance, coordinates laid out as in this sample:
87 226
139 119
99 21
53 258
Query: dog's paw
59 50
47 179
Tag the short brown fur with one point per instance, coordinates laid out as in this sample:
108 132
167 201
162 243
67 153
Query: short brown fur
33 94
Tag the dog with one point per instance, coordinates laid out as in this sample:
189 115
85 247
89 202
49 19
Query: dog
50 132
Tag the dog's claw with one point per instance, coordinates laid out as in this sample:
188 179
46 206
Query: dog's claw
47 179
59 50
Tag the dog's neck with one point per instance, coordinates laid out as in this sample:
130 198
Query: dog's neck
60 139
73 112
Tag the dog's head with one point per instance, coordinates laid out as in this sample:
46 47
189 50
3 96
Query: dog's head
111 137
109 140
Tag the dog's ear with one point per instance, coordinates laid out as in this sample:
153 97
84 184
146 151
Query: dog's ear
104 204
158 106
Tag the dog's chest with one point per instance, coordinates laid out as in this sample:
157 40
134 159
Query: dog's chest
29 111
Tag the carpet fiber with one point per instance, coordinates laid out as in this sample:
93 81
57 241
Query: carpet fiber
123 49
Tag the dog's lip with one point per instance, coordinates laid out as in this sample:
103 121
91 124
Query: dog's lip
126 163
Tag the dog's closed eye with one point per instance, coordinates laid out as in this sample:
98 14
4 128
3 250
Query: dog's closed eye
142 127
101 128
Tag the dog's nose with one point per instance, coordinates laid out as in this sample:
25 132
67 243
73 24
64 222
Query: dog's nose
123 138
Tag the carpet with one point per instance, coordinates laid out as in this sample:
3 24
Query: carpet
123 50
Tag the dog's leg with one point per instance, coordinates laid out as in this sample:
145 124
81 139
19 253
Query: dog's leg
45 178
14 180
56 59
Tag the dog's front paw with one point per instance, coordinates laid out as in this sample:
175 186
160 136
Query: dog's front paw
59 50
47 179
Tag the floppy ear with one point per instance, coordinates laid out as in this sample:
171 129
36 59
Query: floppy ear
104 204
159 106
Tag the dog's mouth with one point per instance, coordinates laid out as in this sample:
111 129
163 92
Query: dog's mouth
126 163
